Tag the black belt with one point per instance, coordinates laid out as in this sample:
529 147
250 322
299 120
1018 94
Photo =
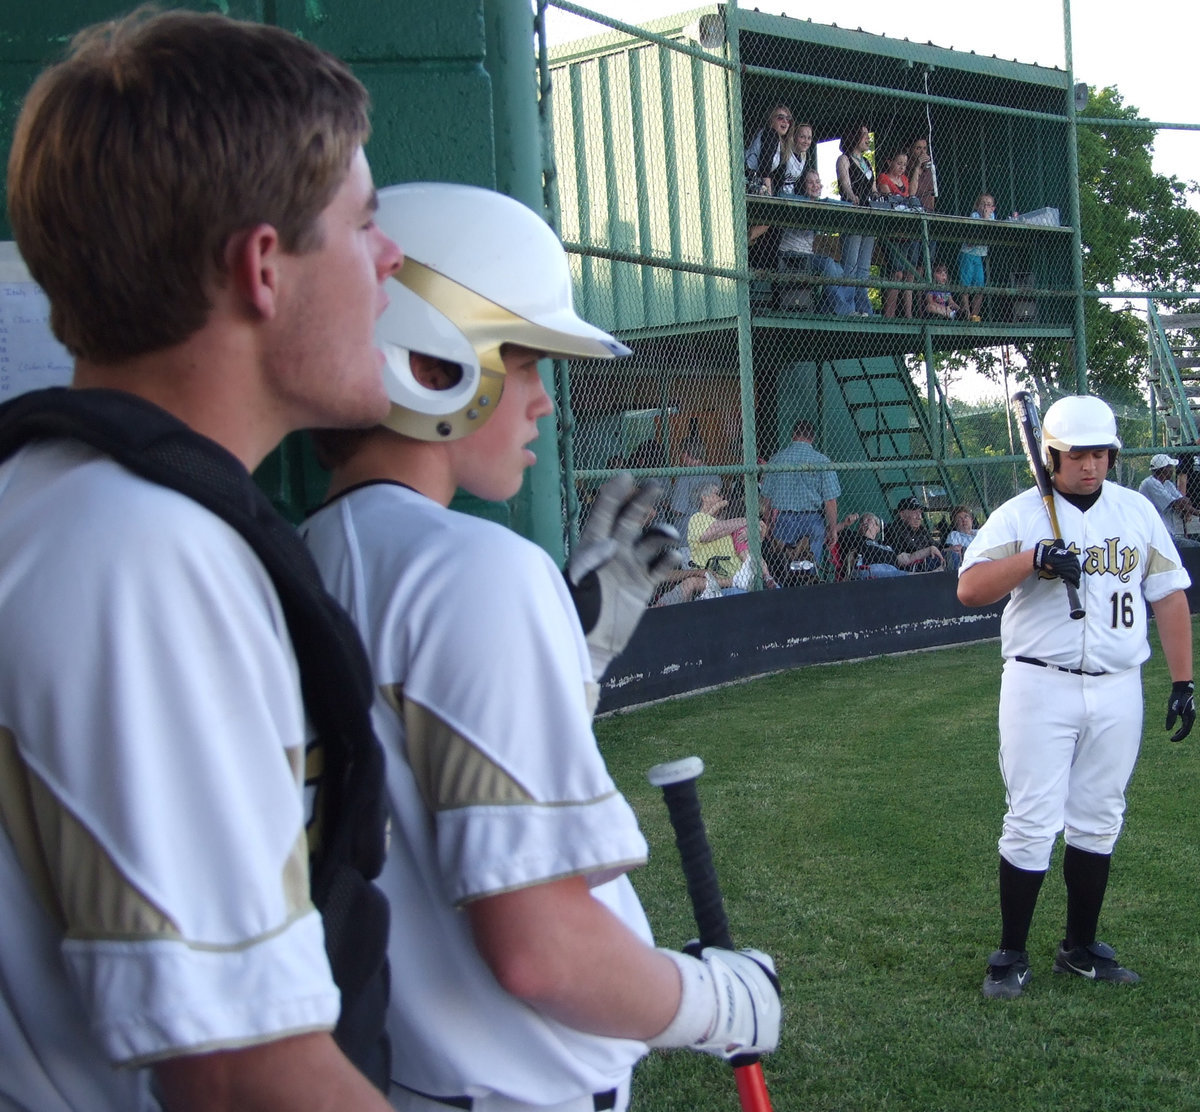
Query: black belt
601 1102
1056 667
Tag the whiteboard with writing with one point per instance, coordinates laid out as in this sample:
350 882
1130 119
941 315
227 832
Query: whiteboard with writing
30 356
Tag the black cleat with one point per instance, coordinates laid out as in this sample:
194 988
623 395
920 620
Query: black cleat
1007 974
1096 961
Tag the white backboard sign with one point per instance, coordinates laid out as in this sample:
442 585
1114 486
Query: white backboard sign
30 356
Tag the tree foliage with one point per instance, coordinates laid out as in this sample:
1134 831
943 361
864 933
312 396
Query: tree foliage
1138 231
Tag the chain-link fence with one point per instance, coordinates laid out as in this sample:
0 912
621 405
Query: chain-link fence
819 242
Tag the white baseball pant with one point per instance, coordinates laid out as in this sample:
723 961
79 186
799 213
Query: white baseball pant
1068 745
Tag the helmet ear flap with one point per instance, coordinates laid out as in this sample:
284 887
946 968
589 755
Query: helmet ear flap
1053 459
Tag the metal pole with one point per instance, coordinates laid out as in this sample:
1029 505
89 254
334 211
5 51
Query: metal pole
745 342
537 510
1073 209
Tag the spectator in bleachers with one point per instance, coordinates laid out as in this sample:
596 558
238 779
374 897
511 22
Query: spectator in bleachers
685 490
710 538
962 533
681 585
865 554
908 534
940 302
805 501
856 182
744 577
797 251
971 256
895 182
780 153
921 181
1175 509
773 167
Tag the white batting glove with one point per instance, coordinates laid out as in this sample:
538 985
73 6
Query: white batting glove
618 564
729 1004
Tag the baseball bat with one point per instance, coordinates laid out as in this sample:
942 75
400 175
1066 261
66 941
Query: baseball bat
678 782
1030 427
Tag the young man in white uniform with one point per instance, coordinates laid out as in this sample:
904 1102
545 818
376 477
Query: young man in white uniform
1071 691
159 946
530 978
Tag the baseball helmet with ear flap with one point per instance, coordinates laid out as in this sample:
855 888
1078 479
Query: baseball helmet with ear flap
481 270
1079 421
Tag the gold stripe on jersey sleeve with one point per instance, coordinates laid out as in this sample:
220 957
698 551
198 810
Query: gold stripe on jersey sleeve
998 552
1159 562
60 856
449 771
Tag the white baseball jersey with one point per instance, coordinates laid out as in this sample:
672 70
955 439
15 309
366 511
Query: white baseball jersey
1128 559
494 779
152 844
1069 742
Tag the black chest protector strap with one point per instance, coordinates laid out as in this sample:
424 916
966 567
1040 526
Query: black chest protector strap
335 676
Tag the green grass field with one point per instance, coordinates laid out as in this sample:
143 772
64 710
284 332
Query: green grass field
854 811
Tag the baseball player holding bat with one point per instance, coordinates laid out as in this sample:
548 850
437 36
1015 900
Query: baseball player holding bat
1071 690
524 972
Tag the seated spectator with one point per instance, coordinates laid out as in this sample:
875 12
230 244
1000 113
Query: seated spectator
971 256
1173 507
710 538
797 251
962 533
682 585
939 302
685 490
806 501
910 537
744 576
905 253
865 555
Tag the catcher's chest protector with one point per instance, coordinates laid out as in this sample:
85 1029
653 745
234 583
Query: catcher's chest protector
335 677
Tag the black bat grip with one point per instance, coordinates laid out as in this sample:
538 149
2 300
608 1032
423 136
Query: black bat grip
1073 601
708 907
678 783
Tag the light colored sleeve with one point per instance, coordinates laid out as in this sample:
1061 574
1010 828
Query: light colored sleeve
166 784
504 670
1157 492
752 153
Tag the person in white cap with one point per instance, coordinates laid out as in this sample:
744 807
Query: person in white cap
1175 509
524 970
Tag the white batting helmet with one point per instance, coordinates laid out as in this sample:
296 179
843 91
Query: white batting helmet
481 270
1080 421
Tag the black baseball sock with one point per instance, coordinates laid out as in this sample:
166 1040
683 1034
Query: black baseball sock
1086 878
1019 890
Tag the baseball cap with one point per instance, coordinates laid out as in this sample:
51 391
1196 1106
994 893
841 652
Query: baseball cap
1162 460
909 503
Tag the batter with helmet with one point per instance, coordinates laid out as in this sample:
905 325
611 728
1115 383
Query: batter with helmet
524 971
1071 688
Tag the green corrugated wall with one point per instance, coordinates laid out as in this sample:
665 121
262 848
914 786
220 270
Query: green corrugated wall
454 100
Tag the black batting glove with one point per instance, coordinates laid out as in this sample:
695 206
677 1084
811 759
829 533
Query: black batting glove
1181 705
1055 558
